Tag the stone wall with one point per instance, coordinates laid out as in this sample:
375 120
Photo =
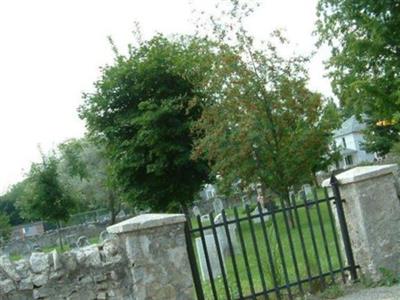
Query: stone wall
93 272
144 258
372 211
50 238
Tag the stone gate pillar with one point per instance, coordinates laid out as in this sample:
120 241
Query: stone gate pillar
156 250
372 211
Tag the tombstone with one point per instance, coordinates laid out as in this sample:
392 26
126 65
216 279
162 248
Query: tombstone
292 195
222 236
205 218
257 219
308 191
196 211
218 205
105 235
82 241
212 256
36 248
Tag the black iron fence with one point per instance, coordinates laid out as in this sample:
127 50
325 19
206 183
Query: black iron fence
253 253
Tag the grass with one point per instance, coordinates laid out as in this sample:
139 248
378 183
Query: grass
327 255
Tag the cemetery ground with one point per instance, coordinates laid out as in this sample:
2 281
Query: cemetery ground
328 256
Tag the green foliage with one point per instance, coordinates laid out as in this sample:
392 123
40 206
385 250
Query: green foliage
5 228
71 152
262 123
142 111
332 292
364 37
84 166
45 197
8 203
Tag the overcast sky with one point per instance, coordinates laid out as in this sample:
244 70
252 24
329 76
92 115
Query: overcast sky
51 52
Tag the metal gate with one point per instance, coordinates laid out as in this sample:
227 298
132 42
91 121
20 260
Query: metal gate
299 246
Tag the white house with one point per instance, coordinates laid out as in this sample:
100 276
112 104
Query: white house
350 138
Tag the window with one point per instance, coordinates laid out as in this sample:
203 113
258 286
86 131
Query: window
349 160
344 142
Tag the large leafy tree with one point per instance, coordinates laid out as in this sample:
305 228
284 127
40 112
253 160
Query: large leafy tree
266 126
45 196
262 123
364 36
142 110
84 166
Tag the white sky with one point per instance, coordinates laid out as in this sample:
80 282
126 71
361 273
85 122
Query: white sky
51 51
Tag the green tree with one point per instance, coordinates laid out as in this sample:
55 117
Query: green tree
45 197
8 203
262 123
142 110
5 228
85 167
364 37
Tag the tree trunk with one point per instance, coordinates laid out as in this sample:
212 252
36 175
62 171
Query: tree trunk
114 210
315 180
59 236
288 213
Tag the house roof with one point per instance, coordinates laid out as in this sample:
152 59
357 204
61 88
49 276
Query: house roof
349 126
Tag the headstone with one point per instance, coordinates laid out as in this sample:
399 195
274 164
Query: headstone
256 212
205 218
222 236
196 211
212 256
218 205
212 248
36 248
308 191
105 235
82 241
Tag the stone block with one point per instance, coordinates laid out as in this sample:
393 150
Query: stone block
39 262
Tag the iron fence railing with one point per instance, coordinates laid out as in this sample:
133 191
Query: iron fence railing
298 247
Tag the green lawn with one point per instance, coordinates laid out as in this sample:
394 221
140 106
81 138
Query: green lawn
328 254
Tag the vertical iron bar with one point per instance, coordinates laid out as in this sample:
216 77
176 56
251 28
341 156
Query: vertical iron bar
234 265
269 252
321 222
291 246
220 259
335 237
343 227
310 225
280 249
302 243
192 261
253 236
208 264
243 246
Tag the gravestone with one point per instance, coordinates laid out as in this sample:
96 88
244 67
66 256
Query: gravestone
256 212
212 256
82 241
212 248
196 211
222 236
218 205
205 218
308 191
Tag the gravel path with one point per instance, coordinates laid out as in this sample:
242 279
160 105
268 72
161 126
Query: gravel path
381 293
